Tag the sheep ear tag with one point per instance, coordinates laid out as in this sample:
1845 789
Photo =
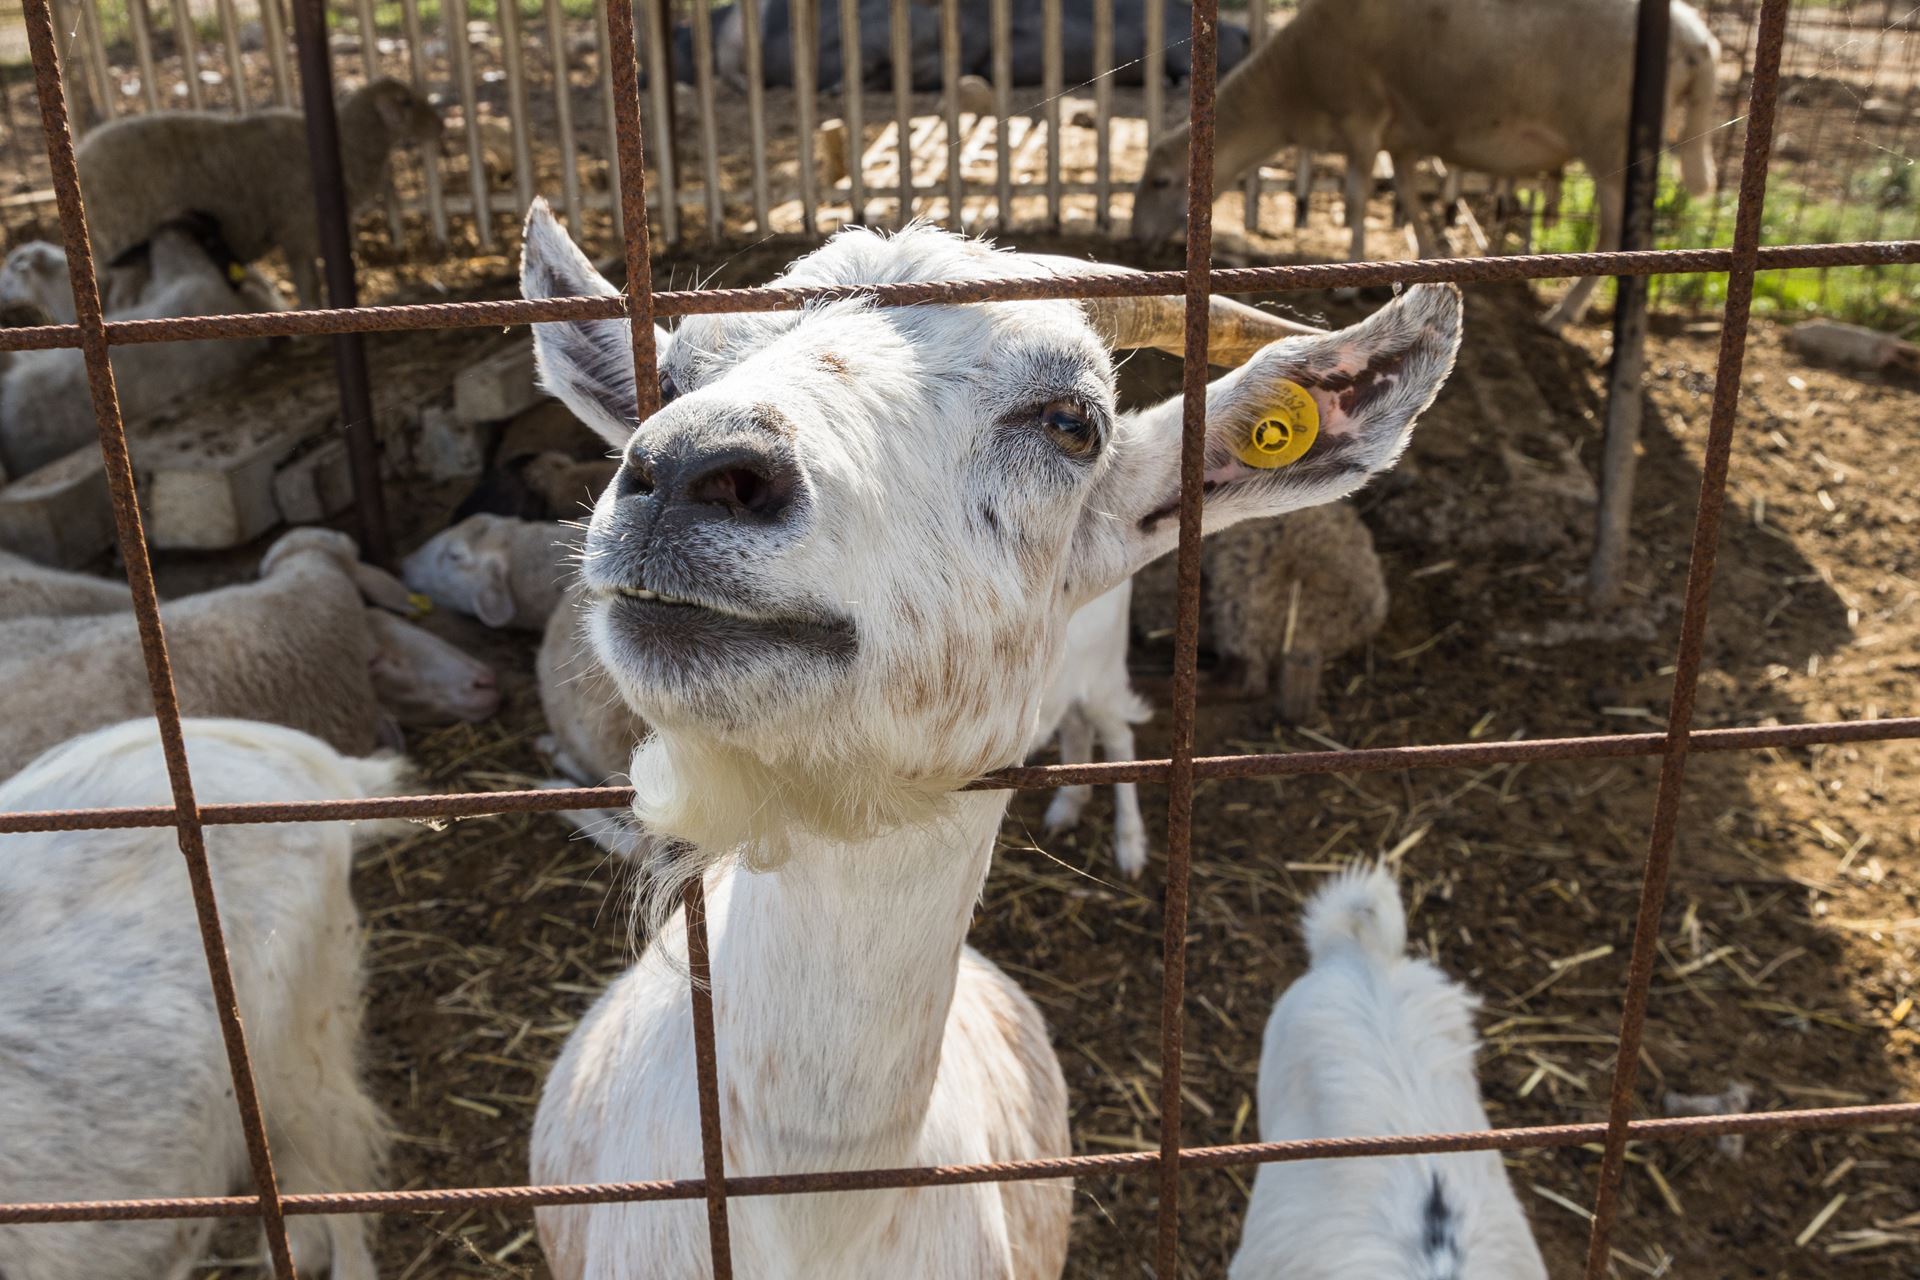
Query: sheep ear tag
1284 432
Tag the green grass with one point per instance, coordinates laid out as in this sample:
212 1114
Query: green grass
1883 203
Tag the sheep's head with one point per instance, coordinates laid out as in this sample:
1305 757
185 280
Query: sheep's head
1160 197
36 272
848 545
408 115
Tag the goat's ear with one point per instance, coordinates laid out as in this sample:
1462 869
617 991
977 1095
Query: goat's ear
1368 384
588 364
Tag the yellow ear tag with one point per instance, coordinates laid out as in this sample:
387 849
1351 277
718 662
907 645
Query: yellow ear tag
420 604
237 272
1284 433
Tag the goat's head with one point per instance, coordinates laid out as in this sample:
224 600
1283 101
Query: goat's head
848 545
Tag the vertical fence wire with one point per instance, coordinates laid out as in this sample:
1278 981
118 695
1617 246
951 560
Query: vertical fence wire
453 16
757 109
610 104
1153 32
950 82
186 43
370 61
139 24
900 29
1002 130
702 23
429 155
1256 32
557 64
806 49
666 155
1686 678
1186 643
273 29
146 608
236 60
1052 86
851 69
513 53
100 80
1103 114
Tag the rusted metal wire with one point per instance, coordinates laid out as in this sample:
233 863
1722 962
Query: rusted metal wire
1234 280
1455 755
1693 622
1539 1137
146 608
1186 635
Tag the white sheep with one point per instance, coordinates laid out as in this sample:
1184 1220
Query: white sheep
300 647
46 411
248 172
1372 1042
114 1084
1288 595
35 274
834 574
31 590
1416 79
504 571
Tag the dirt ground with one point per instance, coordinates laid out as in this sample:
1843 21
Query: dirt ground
1788 949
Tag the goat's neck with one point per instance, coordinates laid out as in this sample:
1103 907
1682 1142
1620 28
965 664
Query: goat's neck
365 141
832 980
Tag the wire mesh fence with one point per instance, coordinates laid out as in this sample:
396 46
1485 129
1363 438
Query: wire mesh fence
1742 260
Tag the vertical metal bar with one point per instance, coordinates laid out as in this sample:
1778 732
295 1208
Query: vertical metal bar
950 88
139 20
631 160
606 83
1002 86
460 56
336 255
273 30
1302 185
370 59
709 122
1052 87
1645 125
563 112
900 27
1103 114
806 52
757 108
1186 642
1153 30
660 90
93 46
1256 32
186 42
429 155
851 67
513 51
146 608
236 65
1686 677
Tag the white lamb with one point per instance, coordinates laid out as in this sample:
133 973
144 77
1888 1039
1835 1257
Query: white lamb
1372 1042
114 1081
35 273
834 574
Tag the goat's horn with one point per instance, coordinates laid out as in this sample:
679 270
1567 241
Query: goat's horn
1235 331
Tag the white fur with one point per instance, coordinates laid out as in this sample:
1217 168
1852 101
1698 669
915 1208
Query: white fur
886 633
1373 1042
113 1079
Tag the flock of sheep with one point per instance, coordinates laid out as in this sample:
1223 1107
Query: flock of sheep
860 557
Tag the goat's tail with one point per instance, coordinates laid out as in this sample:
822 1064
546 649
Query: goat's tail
1699 119
1359 907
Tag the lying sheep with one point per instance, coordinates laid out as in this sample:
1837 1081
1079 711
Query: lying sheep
114 1084
505 572
1419 79
1371 1042
1293 593
31 590
35 273
249 172
299 647
46 411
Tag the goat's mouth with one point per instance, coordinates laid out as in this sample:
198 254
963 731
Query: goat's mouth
657 634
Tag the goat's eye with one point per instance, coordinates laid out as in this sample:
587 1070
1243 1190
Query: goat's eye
669 390
1070 427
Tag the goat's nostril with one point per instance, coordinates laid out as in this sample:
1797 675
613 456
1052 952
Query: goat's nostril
753 487
635 477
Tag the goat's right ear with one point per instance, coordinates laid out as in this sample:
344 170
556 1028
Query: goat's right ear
588 364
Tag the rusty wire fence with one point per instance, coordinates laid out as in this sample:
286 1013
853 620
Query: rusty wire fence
1180 772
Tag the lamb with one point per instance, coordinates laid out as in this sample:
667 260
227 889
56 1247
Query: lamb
45 409
35 274
299 647
1371 1042
1292 593
1421 79
114 1084
834 574
31 590
249 172
503 571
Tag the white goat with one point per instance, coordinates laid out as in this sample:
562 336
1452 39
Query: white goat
1417 78
834 575
45 409
114 1084
1371 1042
248 172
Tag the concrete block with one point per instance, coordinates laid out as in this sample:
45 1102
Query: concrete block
449 447
207 490
60 515
498 386
315 484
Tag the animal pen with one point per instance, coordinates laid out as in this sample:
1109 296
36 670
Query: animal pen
636 203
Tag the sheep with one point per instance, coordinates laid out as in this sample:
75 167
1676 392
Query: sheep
299 647
249 172
503 571
35 274
834 574
31 590
1423 79
1292 593
114 1084
1372 1042
46 411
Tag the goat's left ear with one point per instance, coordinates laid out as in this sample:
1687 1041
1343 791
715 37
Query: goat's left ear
1368 384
